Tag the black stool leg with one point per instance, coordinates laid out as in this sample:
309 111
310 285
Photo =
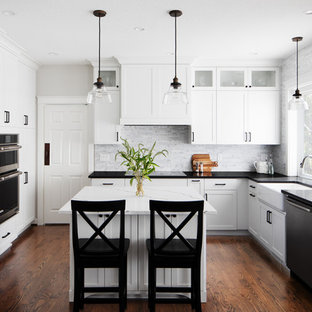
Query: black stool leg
152 287
76 290
125 283
81 288
197 289
193 292
121 278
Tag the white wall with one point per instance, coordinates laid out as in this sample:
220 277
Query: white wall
280 153
64 80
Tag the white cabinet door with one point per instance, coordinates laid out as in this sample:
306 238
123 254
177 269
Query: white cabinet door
159 182
230 117
203 117
106 121
198 185
10 81
8 233
136 93
232 78
26 113
279 234
27 179
266 228
262 117
264 78
254 215
204 78
225 202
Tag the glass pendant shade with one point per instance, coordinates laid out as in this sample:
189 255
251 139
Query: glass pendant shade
99 95
175 96
297 103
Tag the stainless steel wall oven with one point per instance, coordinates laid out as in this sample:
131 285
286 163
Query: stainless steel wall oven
9 175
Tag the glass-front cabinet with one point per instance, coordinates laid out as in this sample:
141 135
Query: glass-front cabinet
110 78
261 78
203 78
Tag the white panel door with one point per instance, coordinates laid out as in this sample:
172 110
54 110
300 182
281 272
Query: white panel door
203 117
230 117
266 228
262 117
66 132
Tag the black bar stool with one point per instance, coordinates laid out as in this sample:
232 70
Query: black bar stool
99 251
175 251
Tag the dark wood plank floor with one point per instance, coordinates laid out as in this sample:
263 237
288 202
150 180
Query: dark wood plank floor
240 277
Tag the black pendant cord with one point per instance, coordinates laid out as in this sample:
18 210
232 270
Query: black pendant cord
175 46
297 64
99 46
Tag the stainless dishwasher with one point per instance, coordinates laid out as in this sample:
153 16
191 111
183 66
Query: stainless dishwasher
299 238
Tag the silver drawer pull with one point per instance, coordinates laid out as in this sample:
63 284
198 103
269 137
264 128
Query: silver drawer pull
252 186
298 206
195 180
220 184
108 183
252 195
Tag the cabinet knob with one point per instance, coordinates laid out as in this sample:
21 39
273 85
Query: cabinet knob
193 86
246 86
249 86
117 86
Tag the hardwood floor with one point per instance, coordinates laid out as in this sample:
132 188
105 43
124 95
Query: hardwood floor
240 277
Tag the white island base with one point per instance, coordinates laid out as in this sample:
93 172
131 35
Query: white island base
137 230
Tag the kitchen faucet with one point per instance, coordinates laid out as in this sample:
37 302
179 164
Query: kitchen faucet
304 159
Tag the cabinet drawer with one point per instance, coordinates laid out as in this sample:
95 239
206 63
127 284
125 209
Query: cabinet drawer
108 182
222 184
7 233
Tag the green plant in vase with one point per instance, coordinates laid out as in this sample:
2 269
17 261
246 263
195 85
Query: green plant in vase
140 161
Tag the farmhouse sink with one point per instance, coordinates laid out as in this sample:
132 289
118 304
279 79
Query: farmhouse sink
271 194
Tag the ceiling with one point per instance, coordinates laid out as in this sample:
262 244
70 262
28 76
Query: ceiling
210 29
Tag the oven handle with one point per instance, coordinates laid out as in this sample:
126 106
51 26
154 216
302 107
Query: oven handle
10 176
298 206
10 148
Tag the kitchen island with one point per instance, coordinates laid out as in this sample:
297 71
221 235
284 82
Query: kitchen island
137 230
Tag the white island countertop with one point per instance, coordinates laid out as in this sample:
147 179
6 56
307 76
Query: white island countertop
135 204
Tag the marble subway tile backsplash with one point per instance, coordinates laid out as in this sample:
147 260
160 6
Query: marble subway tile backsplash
176 139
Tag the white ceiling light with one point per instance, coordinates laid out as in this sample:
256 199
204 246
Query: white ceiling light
8 13
175 95
297 102
139 28
99 93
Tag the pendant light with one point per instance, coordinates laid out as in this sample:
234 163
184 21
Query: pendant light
297 102
99 93
175 95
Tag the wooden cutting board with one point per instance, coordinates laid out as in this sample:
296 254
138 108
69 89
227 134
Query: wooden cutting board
205 159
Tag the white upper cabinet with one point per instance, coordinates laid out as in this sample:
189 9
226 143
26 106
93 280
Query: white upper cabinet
106 120
106 116
260 78
230 117
262 117
142 93
203 117
248 117
203 78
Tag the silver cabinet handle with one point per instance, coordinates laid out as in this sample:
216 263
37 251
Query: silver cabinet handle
245 137
117 136
26 177
252 186
25 120
249 136
298 206
108 183
6 235
195 180
10 148
10 176
220 184
193 136
206 196
252 195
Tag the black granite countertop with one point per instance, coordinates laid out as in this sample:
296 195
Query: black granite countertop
191 175
304 196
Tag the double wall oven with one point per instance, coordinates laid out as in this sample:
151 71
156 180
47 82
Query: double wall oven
9 175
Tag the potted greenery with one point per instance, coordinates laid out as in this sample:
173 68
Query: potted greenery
140 162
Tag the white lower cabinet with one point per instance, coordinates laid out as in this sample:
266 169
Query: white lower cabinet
228 197
267 224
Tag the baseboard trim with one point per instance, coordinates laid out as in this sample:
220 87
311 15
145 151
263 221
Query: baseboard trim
227 233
